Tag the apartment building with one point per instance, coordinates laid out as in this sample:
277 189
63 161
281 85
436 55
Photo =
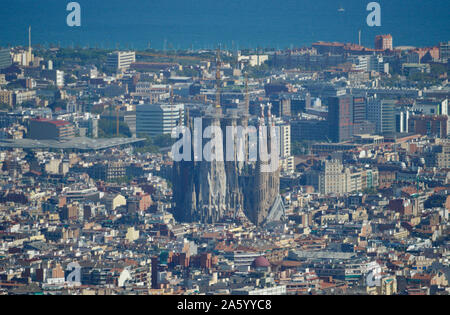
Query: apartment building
286 159
6 97
334 178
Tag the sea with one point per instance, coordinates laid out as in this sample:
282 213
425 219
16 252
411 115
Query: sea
232 24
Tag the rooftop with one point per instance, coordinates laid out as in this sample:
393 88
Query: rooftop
78 143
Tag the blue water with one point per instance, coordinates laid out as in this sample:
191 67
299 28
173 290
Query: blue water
182 24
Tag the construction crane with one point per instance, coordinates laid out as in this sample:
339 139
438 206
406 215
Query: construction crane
117 119
218 78
247 98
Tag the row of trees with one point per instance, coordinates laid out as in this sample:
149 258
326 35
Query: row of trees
154 145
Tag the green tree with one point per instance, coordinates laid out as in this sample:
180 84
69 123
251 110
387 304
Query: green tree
163 141
69 79
58 104
438 69
146 146
435 201
108 129
258 71
300 147
155 144
14 86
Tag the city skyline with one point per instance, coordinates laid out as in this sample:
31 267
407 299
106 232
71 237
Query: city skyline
158 167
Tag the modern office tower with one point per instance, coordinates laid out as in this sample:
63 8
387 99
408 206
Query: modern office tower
382 114
120 60
309 129
384 42
340 118
444 51
281 106
299 103
157 119
360 123
5 58
388 110
45 129
359 109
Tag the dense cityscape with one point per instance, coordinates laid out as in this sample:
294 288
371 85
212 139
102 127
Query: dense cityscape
92 201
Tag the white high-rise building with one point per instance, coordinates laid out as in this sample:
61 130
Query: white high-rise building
120 60
360 63
382 113
286 159
285 140
59 78
157 119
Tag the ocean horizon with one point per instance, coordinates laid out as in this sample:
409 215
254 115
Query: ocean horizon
204 24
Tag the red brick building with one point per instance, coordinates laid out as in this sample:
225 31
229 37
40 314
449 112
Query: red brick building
432 125
384 42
